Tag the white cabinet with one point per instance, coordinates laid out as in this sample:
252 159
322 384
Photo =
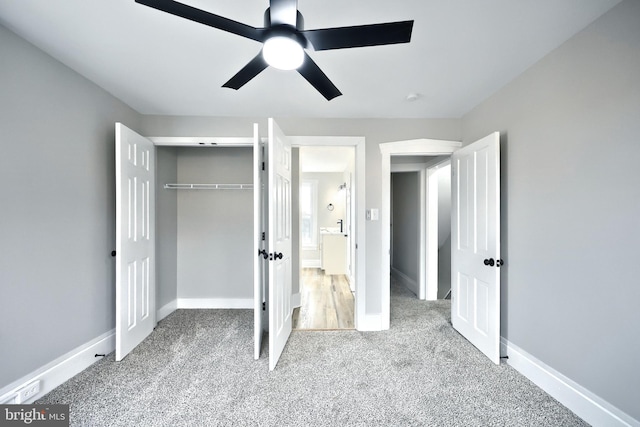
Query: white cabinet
334 253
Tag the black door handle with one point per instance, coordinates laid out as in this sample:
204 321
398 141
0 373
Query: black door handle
275 256
489 262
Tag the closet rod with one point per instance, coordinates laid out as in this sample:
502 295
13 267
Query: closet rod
208 186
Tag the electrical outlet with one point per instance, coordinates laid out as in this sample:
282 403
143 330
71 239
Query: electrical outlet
28 391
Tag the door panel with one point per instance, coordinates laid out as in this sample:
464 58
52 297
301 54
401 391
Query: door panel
258 263
475 235
279 238
135 239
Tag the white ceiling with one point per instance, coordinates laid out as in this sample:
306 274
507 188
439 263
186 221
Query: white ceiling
461 52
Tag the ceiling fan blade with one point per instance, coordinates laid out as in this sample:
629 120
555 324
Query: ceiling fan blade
206 18
252 69
283 12
360 36
314 75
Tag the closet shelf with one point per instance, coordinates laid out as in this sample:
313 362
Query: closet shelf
208 186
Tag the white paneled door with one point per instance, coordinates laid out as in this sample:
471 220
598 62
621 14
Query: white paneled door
475 248
135 239
279 238
258 248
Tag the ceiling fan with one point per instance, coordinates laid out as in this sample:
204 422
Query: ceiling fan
284 39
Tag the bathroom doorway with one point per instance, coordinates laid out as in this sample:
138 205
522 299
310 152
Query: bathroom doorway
326 226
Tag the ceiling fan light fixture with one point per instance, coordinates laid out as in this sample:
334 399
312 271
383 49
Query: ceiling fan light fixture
283 53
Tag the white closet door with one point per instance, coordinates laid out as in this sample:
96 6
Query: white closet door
135 240
279 237
258 248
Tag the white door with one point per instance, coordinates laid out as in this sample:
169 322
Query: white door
279 237
258 249
475 248
135 239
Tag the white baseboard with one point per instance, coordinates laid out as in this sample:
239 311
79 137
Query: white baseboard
411 284
214 303
296 300
311 263
371 322
591 408
61 369
166 310
203 303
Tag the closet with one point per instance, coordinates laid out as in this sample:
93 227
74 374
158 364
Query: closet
205 223
204 227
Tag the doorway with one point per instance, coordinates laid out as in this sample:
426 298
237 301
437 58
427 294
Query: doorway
326 224
420 227
427 254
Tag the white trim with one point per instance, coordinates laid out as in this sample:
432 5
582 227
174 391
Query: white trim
588 406
414 147
408 167
222 303
371 322
432 244
358 186
404 279
166 310
311 263
62 369
296 300
199 141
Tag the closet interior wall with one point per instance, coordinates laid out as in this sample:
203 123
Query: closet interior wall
205 244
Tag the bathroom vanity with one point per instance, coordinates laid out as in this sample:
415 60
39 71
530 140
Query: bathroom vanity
334 251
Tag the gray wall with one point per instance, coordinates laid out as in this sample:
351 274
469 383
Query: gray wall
57 221
215 227
570 137
166 227
405 206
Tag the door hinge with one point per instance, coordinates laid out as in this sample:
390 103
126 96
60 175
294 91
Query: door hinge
264 236
264 306
262 165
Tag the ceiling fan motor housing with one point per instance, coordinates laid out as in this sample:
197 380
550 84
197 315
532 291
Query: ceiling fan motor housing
299 19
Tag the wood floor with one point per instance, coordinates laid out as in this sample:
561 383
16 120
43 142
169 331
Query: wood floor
327 302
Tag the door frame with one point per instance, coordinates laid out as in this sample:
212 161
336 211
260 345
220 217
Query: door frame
359 243
428 252
413 147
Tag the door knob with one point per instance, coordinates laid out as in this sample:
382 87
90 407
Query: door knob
499 263
275 256
490 262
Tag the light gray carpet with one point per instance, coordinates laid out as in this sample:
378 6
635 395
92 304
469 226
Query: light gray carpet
197 369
